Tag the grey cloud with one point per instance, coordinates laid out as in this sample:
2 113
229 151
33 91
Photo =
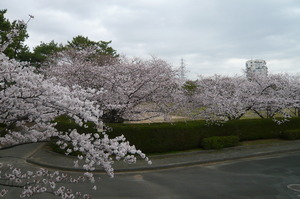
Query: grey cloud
206 33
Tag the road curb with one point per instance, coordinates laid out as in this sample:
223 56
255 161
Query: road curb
174 160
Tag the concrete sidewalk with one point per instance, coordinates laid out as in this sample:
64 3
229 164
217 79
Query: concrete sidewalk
46 158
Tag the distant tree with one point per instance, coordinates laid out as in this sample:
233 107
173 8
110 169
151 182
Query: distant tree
223 98
16 49
80 42
103 53
220 98
43 51
189 87
279 92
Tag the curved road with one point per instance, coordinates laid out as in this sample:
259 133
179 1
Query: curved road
256 178
269 177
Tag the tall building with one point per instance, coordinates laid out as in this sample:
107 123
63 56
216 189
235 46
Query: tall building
257 66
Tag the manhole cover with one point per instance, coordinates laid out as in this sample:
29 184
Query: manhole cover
294 187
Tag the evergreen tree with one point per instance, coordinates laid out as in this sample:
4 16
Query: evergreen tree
17 49
102 47
43 51
103 54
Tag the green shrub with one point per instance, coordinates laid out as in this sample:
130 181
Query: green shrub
254 129
161 137
165 137
57 149
65 123
219 142
2 131
291 134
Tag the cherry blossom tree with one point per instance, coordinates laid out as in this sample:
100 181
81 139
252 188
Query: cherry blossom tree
126 87
29 104
221 98
294 94
278 93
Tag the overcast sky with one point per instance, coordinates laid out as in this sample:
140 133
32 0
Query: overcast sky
212 36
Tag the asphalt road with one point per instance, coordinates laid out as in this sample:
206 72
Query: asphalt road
257 178
269 177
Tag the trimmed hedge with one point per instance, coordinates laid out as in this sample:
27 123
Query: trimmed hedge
219 142
64 123
291 134
165 137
